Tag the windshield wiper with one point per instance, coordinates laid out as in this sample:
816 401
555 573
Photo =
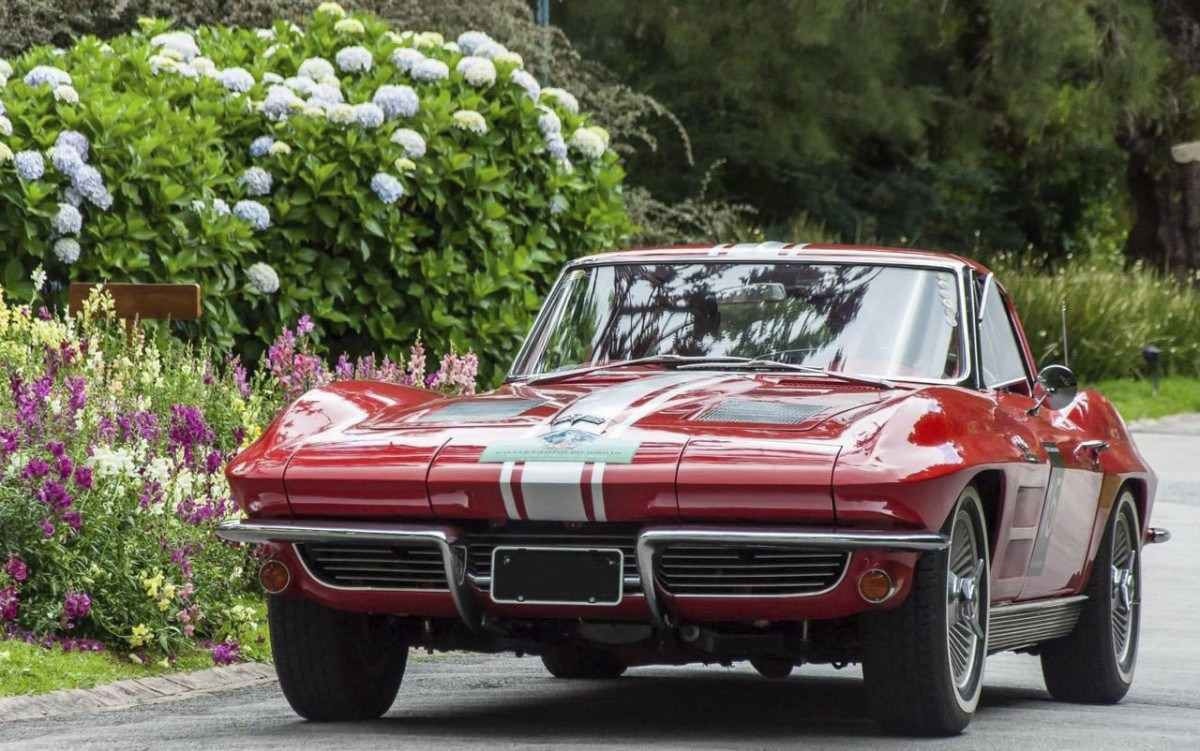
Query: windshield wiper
677 360
752 363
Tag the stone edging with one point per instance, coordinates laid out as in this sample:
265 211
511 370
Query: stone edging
135 691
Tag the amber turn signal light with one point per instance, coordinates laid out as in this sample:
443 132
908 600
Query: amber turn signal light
274 577
875 586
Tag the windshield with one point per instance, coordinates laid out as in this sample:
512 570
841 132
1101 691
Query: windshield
883 321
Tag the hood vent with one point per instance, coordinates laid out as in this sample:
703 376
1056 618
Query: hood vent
480 410
759 411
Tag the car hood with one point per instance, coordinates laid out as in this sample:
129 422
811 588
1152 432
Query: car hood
639 447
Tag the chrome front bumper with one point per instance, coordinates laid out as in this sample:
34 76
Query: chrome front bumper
650 541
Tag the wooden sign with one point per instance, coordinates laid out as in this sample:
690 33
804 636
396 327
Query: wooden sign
158 302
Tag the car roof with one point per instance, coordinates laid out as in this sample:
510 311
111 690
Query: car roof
764 251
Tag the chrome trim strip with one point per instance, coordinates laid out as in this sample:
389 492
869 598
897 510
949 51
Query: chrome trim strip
651 540
1024 624
443 536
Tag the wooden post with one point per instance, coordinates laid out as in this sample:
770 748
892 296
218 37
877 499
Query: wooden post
175 302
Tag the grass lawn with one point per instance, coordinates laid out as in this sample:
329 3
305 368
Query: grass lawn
1135 399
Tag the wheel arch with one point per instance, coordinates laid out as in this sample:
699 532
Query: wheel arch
991 485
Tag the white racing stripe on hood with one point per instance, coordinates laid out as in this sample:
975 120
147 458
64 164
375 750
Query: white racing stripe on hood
610 402
658 402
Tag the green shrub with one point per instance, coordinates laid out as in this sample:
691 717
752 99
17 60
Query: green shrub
481 220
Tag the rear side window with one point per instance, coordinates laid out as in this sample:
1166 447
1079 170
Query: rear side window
1001 355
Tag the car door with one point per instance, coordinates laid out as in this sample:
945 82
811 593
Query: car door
1049 521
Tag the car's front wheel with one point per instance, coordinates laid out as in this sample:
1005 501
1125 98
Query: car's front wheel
334 665
923 661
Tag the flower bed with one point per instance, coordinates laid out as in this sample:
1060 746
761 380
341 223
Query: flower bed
112 446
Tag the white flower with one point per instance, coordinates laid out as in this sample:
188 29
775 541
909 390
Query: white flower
470 120
326 94
429 70
272 78
477 71
237 80
491 50
369 116
6 70
387 188
280 101
257 181
38 277
452 47
253 213
220 208
159 63
411 140
549 123
66 250
47 75
205 67
262 279
341 114
6 154
397 101
557 147
68 220
75 140
428 39
527 82
5 126
261 146
180 43
331 9
66 94
349 26
30 165
469 41
279 148
109 462
564 98
508 57
589 143
354 59
65 159
300 85
316 68
265 34
404 58
73 197
268 53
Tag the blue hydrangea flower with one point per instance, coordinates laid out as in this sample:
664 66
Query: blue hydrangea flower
272 78
280 102
68 220
491 49
66 249
549 123
316 69
237 80
261 146
411 141
102 200
397 101
73 197
387 188
253 213
368 115
65 159
478 71
300 85
430 70
404 58
88 181
30 165
527 82
75 140
469 41
262 278
325 94
257 181
354 59
557 147
47 75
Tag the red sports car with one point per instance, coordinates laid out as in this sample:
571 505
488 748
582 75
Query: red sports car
771 452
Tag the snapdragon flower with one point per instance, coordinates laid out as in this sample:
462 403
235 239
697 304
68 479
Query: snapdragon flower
565 99
257 181
470 120
30 165
387 188
527 82
354 59
430 70
316 68
75 140
179 43
261 146
397 101
589 143
404 58
350 26
68 220
66 250
47 75
412 142
237 80
253 213
469 41
478 71
66 94
369 116
262 279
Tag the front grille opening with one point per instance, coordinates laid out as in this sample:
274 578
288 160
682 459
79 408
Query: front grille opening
727 570
412 566
480 544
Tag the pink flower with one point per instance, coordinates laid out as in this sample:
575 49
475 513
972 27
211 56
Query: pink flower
416 363
77 605
47 527
305 325
226 652
16 568
10 604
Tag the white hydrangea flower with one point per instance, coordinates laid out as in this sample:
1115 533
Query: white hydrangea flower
66 94
66 159
470 120
253 213
557 147
257 181
178 43
66 250
325 94
478 71
237 80
6 128
549 123
397 101
6 70
491 50
387 188
354 59
452 48
316 68
272 78
429 70
3 109
527 82
340 114
220 208
350 26
428 39
68 220
280 102
47 75
368 115
262 279
412 142
269 53
564 98
30 165
75 140
300 85
469 41
6 154
508 57
588 142
159 63
205 67
404 58
331 9
267 35
333 81
279 148
261 146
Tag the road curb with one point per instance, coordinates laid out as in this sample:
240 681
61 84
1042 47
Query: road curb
133 692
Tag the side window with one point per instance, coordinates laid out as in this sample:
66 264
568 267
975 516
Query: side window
1001 354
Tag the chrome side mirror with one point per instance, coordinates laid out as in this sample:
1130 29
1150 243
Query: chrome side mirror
1061 387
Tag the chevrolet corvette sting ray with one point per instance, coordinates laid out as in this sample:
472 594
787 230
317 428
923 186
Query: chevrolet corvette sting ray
771 452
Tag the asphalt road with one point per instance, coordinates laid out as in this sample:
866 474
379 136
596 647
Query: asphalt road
469 702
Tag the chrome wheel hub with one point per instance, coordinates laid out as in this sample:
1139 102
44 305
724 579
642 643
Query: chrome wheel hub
964 609
1124 594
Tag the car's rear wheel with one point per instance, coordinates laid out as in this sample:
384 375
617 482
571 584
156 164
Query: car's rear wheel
335 665
570 661
1095 662
923 662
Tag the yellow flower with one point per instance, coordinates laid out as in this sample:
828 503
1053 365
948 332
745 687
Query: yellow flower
152 584
139 636
164 663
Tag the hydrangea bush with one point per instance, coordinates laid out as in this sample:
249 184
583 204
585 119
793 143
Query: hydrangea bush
391 182
112 449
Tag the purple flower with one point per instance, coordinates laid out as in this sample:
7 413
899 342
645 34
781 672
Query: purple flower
343 371
66 468
77 388
225 653
73 519
54 495
16 568
77 605
188 430
8 441
56 449
305 325
47 527
35 469
213 461
83 478
106 430
10 604
240 380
